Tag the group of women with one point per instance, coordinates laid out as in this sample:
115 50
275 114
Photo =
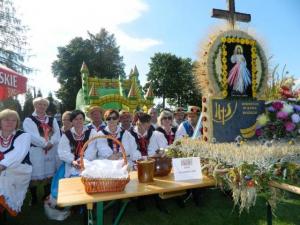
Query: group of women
31 157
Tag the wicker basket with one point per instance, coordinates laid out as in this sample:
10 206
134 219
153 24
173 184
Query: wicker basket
98 185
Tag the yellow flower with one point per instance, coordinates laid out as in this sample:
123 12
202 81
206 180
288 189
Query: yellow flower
247 42
223 39
242 41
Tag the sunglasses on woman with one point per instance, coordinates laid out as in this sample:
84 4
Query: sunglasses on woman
112 118
167 118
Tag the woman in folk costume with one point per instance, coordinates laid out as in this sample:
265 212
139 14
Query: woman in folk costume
15 166
125 120
72 142
239 76
147 139
153 113
66 125
45 135
165 126
69 148
66 121
108 149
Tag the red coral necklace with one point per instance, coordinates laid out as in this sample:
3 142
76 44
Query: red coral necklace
5 142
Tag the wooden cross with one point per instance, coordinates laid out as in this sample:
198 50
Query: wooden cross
231 15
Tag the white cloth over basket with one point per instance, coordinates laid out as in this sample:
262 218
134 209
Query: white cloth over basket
105 169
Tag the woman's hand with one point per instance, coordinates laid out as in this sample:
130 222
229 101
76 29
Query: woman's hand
48 146
76 164
115 156
2 168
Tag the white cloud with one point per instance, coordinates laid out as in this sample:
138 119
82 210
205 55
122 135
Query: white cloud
54 23
128 43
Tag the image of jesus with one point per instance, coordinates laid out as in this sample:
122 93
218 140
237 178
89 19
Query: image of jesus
239 76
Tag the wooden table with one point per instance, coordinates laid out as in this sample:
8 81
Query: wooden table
71 191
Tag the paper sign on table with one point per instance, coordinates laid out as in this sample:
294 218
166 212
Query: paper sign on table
187 168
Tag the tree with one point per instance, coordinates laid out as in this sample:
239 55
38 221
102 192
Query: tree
107 61
12 103
101 55
28 106
188 92
172 79
39 93
13 39
163 72
51 110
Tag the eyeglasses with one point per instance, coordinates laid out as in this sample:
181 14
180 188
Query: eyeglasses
167 118
112 118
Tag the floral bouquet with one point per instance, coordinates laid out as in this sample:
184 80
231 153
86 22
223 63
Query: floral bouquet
281 120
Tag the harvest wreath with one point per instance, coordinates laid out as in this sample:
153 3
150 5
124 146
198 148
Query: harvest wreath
245 168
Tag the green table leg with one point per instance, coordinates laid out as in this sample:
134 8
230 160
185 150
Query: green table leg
117 220
99 213
108 205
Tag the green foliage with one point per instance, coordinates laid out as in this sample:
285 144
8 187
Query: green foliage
39 93
51 110
13 40
107 62
28 106
12 103
276 79
173 78
101 55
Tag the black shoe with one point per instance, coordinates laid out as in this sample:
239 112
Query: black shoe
33 191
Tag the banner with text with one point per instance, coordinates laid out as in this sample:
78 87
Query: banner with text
11 83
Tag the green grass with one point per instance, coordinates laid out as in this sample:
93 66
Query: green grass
216 209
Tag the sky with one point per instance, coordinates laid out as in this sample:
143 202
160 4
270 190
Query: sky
145 27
